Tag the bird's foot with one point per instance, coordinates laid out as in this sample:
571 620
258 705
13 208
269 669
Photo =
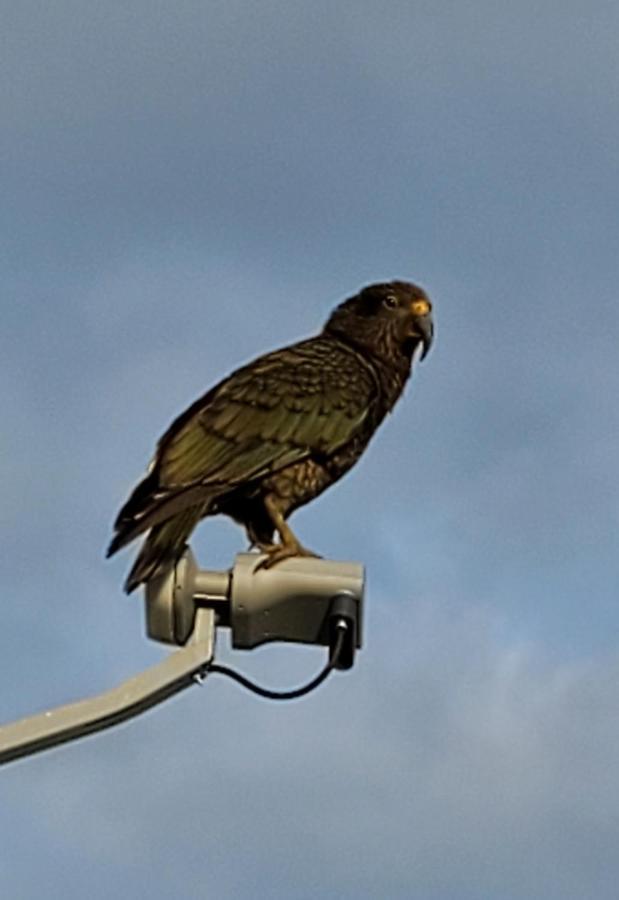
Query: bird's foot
263 546
278 552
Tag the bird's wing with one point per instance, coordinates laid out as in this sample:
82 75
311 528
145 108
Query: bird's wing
311 398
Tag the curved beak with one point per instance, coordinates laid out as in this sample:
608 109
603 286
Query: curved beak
425 326
421 323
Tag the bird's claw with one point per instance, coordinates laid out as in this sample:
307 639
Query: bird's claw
283 551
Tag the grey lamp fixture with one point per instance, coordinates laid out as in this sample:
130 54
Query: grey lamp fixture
301 600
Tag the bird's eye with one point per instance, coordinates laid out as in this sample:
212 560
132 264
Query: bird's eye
390 301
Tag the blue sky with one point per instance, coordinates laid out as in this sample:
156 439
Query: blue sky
186 186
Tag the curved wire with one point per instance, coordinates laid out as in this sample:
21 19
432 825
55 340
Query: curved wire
341 627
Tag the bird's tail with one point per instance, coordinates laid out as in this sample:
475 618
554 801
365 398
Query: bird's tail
163 546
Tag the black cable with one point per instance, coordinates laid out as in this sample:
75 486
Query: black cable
341 626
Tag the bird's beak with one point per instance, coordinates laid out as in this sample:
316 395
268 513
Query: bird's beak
421 324
425 326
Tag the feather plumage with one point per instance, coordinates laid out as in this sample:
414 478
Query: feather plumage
276 432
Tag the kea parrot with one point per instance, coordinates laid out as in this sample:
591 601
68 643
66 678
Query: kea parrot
277 432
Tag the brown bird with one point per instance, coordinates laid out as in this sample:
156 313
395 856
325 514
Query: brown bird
278 431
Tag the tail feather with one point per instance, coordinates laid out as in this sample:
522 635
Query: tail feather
151 503
163 546
139 502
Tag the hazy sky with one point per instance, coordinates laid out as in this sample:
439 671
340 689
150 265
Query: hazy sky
187 185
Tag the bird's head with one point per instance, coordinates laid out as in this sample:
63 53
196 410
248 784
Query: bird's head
389 320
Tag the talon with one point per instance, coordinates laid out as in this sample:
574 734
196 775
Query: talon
279 552
262 547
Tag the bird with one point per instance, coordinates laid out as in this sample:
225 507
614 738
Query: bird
277 432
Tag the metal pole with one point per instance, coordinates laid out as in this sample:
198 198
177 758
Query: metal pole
128 699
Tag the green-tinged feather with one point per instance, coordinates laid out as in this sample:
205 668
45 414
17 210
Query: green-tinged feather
278 431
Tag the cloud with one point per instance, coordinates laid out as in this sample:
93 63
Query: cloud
187 187
449 762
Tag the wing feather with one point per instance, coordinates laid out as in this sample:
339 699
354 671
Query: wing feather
309 398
